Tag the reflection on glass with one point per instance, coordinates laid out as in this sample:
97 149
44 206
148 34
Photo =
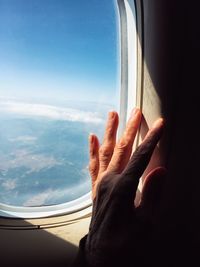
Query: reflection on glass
58 79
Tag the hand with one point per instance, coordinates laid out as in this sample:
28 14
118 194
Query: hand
119 231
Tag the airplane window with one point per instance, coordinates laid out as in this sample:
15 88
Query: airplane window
59 76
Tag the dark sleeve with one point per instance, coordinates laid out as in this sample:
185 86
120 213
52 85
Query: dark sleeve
80 260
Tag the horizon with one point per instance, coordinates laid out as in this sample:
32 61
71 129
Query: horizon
59 77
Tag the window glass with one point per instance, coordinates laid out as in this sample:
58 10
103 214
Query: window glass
59 76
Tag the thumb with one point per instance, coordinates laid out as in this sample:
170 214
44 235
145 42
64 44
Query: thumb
152 191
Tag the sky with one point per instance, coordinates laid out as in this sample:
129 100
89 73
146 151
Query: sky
59 49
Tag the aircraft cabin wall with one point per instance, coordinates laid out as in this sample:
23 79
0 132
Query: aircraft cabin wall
171 57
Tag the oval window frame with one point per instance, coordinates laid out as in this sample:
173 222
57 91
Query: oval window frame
130 59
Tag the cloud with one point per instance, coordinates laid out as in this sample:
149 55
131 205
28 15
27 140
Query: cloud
38 199
24 158
24 138
50 112
9 184
54 196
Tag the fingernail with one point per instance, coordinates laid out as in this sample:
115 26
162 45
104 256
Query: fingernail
134 112
111 114
158 123
91 138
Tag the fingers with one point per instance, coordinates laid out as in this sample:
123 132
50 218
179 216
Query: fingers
142 156
123 149
106 150
94 157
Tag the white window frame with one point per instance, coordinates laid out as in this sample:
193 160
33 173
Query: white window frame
128 59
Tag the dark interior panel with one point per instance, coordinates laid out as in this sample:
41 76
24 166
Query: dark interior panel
171 49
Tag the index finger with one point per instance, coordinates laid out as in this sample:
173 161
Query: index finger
141 157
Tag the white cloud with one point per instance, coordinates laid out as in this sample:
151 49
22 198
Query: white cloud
38 199
50 112
24 158
9 184
24 138
51 196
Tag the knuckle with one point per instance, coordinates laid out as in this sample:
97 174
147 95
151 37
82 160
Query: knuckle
143 148
109 129
101 189
93 168
104 184
122 145
105 152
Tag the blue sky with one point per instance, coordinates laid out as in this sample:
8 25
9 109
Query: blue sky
59 49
